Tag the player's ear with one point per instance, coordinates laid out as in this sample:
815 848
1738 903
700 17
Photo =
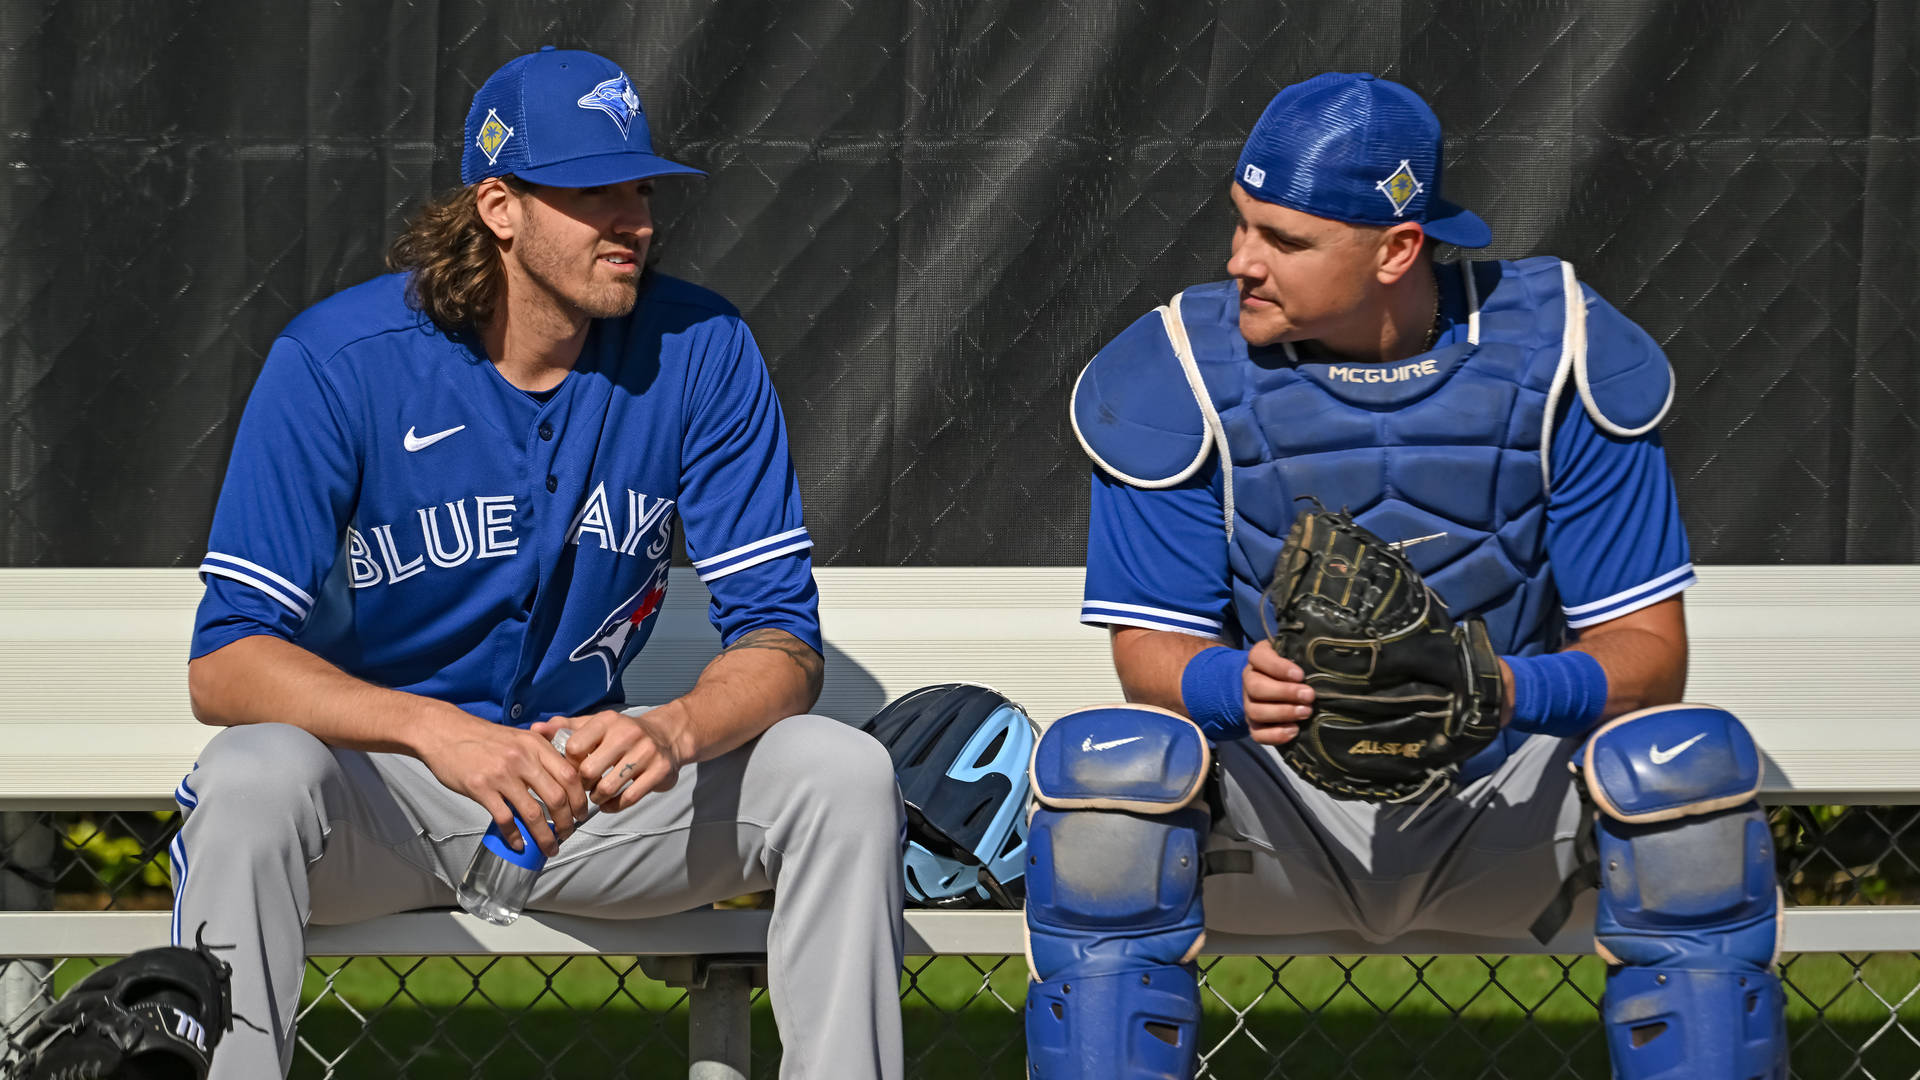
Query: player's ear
498 207
1400 248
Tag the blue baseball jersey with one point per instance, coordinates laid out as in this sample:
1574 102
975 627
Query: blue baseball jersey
1612 537
397 507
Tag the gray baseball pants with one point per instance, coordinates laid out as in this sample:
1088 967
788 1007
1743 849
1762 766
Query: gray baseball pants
1484 861
282 830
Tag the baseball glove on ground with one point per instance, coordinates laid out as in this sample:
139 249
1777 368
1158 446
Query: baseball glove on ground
1402 694
156 1015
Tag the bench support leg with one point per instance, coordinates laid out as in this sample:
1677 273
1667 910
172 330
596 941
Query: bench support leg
27 845
719 1009
719 1022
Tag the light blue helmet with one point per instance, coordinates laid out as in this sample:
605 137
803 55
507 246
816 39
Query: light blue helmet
961 752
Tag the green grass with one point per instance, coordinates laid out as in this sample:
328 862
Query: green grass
1451 1017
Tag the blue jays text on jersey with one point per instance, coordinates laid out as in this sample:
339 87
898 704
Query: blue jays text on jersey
446 536
398 508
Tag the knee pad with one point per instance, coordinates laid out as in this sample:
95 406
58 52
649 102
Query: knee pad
1113 895
1688 917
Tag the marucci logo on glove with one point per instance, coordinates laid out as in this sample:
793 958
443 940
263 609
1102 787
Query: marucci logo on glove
188 1028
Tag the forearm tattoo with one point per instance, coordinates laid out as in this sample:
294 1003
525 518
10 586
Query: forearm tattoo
809 662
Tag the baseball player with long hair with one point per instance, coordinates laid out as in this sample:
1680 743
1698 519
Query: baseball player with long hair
443 536
1495 421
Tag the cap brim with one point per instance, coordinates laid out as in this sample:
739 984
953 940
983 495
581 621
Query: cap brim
1456 225
605 169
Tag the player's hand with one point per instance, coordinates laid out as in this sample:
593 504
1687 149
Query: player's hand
503 769
624 758
1276 701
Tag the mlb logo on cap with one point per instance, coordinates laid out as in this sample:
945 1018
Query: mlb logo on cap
564 118
1358 149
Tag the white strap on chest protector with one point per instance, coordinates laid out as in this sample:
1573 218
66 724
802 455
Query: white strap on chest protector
1183 348
1573 360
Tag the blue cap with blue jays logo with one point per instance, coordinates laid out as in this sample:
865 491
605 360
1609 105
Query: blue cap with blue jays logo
564 118
1358 149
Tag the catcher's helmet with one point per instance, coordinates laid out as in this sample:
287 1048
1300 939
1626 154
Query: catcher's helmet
961 753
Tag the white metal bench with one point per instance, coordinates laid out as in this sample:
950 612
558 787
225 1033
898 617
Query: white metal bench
93 662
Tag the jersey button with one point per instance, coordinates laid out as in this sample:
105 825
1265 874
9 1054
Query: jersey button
553 483
516 711
546 431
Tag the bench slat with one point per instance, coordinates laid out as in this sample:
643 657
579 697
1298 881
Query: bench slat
92 664
452 933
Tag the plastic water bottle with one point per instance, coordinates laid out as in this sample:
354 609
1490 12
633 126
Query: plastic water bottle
499 880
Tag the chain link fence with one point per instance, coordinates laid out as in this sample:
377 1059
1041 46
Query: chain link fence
1359 1017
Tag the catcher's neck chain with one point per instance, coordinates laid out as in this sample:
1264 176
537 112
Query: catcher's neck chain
1433 324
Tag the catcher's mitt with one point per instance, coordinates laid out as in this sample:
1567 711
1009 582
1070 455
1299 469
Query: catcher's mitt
1402 694
156 1015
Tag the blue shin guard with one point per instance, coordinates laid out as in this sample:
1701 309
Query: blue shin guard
1688 916
1113 896
1138 1023
1683 1025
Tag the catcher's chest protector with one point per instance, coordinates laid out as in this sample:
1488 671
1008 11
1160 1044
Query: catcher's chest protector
1445 445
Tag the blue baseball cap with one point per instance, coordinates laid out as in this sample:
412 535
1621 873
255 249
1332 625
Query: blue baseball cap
1358 149
564 118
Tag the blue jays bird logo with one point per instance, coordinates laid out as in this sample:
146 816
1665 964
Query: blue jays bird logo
616 98
612 641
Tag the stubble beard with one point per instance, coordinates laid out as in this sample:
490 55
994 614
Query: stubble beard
594 299
1263 332
611 299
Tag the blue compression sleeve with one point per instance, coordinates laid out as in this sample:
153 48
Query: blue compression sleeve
1212 690
1559 693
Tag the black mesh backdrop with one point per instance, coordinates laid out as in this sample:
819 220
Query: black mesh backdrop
932 213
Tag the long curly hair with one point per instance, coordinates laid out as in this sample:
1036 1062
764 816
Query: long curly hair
453 259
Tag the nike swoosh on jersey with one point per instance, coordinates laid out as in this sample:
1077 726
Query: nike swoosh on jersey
416 443
1091 745
1661 757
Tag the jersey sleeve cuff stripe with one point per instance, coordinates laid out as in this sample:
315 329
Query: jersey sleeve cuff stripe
260 571
1092 608
247 579
1097 619
1627 595
753 560
1626 607
716 560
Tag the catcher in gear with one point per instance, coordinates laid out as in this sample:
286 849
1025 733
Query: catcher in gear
1391 697
1402 693
155 1015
